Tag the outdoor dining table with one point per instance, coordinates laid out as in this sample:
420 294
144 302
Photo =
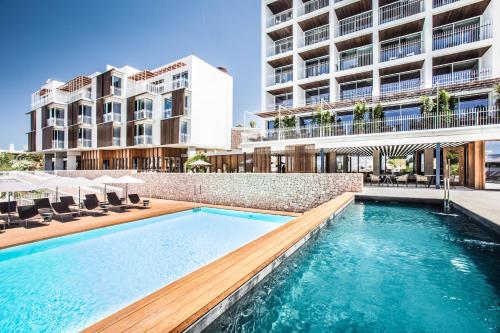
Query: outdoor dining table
431 180
388 179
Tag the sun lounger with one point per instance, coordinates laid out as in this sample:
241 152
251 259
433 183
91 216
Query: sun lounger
93 206
136 200
8 207
30 213
94 198
63 210
115 201
42 203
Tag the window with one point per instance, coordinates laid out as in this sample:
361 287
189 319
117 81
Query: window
112 111
116 81
85 114
144 104
116 136
167 107
187 103
184 132
180 80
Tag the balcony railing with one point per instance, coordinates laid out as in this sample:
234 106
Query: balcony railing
316 35
355 93
116 141
84 119
78 95
459 77
354 23
318 99
400 9
458 119
84 143
281 46
276 19
143 114
402 50
54 96
57 144
312 6
440 3
184 137
401 86
115 91
281 77
55 121
462 35
285 104
362 57
143 140
317 69
113 116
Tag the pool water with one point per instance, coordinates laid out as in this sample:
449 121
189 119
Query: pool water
68 283
380 268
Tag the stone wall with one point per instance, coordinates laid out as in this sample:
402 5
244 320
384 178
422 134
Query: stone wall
287 192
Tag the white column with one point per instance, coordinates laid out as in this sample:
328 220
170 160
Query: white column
295 56
71 160
427 37
376 51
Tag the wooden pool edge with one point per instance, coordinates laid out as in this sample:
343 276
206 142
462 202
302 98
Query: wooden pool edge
195 300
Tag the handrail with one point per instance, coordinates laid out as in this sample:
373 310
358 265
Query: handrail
400 9
440 3
316 35
462 35
312 6
361 57
279 18
464 76
402 50
401 86
281 46
354 23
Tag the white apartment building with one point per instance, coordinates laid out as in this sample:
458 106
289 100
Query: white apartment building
337 55
125 118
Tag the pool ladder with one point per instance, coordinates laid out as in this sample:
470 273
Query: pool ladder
446 183
196 191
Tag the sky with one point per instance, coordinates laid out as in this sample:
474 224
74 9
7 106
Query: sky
61 39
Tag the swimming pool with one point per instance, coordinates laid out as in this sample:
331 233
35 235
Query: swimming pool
380 268
67 283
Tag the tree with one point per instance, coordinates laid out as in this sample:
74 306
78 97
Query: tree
378 112
289 122
277 122
252 124
359 116
27 162
427 106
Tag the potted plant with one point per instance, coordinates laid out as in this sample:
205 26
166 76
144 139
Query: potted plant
359 117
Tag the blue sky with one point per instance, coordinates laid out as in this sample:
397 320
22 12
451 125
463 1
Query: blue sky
60 39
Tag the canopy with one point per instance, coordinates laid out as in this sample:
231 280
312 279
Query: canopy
199 163
106 180
14 185
57 181
128 180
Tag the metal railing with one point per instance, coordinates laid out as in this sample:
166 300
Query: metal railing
464 76
462 35
362 57
143 139
281 46
112 116
54 96
318 99
402 50
84 119
355 93
400 9
316 35
278 18
143 114
354 23
285 104
57 144
80 94
281 77
458 119
55 122
312 6
401 86
439 3
84 143
177 84
316 69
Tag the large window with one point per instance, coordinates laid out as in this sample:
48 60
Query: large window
85 114
116 136
180 80
317 95
478 102
143 109
167 107
112 111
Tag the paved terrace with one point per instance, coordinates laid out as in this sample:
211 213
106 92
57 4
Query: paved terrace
483 205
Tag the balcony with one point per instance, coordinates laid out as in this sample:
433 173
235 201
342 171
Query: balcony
440 3
458 119
57 144
139 87
318 99
143 114
116 141
57 122
116 91
357 93
401 49
78 95
400 86
44 97
316 35
460 77
287 104
312 6
180 83
84 120
400 9
84 143
279 18
450 36
316 69
281 46
280 77
113 116
354 23
355 58
143 140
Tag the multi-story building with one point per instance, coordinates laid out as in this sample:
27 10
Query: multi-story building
126 118
380 58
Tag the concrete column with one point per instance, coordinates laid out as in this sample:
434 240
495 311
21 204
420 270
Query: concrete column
376 162
59 162
376 51
429 161
438 165
71 161
47 161
427 39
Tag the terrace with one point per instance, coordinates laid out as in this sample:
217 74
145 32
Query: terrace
399 10
312 6
354 58
460 33
353 24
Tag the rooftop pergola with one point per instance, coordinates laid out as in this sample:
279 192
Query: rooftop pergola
76 84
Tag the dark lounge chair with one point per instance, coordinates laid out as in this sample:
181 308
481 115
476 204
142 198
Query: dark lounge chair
30 213
94 198
115 201
136 200
42 203
93 206
62 210
69 201
8 207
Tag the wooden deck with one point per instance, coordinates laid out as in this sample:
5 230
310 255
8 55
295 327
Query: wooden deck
37 232
178 305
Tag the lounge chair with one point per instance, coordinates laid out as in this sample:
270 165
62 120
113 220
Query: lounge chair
93 206
374 179
93 197
420 179
69 201
115 201
30 213
402 179
136 200
8 207
62 210
42 203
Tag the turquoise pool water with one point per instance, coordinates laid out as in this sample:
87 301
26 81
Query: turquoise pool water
68 283
380 268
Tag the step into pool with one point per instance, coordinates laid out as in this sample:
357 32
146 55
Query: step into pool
66 284
380 268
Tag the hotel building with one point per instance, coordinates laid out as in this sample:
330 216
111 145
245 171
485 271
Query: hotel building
377 56
125 118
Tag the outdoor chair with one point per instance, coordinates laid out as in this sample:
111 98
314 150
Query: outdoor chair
62 210
115 201
374 179
30 214
402 179
42 203
68 200
93 206
420 179
136 200
94 198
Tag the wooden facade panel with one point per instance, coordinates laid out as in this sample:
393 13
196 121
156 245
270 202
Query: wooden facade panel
72 136
33 121
170 131
103 84
178 102
300 158
105 134
130 133
73 113
130 108
32 141
262 160
45 111
99 111
47 135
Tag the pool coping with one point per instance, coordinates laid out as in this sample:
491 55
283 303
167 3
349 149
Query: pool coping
193 301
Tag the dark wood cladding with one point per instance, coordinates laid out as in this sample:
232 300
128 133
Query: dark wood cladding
32 141
72 136
178 102
103 84
33 121
47 135
300 158
73 113
99 111
130 133
130 108
262 159
105 134
170 131
45 111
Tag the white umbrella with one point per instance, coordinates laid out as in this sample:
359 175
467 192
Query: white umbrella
105 180
57 182
199 163
14 185
128 180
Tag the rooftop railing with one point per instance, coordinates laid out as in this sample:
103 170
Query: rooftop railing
354 23
464 76
355 93
312 6
143 139
402 50
461 35
278 18
362 57
281 46
401 86
440 3
316 35
54 96
400 9
422 122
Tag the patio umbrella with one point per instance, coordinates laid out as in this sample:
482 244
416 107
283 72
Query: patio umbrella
56 181
14 185
105 180
199 163
129 180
